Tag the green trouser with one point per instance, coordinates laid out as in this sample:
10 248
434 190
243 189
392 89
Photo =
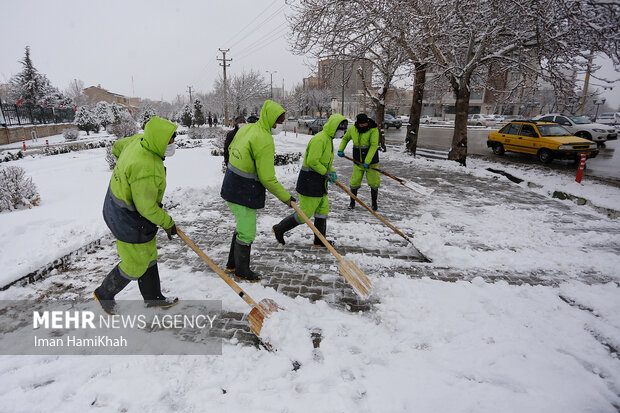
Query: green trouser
313 205
372 177
246 222
136 258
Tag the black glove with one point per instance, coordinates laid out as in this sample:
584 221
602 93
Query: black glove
171 231
291 199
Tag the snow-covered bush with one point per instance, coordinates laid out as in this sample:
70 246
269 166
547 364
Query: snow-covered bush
86 120
16 189
10 156
70 134
125 126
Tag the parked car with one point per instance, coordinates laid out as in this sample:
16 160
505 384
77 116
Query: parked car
612 118
317 126
304 121
479 119
582 127
390 121
427 119
404 119
546 140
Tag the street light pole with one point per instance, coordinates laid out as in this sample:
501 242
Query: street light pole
271 81
597 103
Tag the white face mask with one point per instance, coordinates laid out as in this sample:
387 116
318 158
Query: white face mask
275 131
170 149
339 134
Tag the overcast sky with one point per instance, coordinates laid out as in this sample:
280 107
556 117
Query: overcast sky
164 45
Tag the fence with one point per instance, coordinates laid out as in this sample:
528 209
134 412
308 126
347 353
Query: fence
35 115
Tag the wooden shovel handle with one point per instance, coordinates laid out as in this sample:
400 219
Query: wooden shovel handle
385 221
218 271
316 231
377 169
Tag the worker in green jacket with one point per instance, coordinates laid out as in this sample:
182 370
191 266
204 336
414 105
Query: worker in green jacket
316 171
365 136
249 172
132 210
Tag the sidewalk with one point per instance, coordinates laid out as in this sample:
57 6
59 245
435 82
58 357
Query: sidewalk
475 224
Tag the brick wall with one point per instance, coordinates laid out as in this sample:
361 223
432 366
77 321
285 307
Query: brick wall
16 133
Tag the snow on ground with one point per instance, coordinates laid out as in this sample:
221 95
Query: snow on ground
428 345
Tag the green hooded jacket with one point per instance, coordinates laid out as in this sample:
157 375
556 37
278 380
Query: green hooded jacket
365 145
319 159
251 155
120 144
139 179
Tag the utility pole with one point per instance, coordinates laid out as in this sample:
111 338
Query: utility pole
586 84
190 94
271 82
224 66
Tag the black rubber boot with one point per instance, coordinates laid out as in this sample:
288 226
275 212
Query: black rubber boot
113 284
321 225
374 193
230 265
285 225
150 289
242 263
352 203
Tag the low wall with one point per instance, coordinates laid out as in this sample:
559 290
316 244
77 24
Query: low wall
16 133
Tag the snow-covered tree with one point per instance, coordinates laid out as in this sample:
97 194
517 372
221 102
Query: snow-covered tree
30 86
115 112
124 126
146 113
199 116
320 100
103 113
186 115
86 120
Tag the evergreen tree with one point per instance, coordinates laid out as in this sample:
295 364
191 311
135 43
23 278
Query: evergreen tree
86 120
103 114
199 116
147 113
186 115
29 85
115 111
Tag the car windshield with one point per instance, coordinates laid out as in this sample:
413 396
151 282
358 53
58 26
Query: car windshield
579 120
552 130
606 115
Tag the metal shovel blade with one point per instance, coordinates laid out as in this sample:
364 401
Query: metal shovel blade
417 187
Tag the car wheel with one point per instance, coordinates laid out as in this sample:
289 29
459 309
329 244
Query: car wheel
478 124
584 135
398 127
545 156
498 149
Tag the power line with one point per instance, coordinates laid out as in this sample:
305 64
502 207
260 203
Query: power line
275 33
253 19
260 25
267 42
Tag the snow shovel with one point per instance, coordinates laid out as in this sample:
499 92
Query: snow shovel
410 185
385 221
348 269
259 311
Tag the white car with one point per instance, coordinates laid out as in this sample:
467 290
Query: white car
479 119
404 119
612 118
582 127
427 119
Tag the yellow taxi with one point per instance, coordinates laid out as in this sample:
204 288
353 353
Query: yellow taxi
546 140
